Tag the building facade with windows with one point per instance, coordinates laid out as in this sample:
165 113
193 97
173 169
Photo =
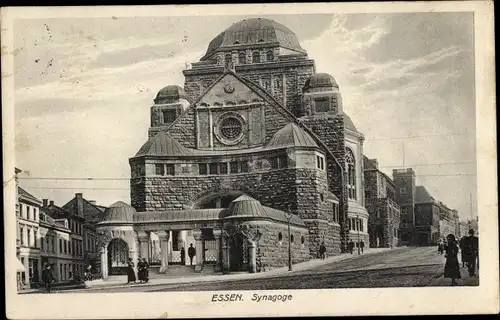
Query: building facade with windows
72 247
28 238
254 141
380 197
405 187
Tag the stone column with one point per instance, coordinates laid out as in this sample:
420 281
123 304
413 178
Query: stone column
225 255
217 236
199 250
143 237
104 262
163 236
252 256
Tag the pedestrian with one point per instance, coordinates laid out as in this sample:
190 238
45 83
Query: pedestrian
191 253
47 277
322 250
183 256
351 246
451 267
362 245
130 271
471 250
140 271
440 246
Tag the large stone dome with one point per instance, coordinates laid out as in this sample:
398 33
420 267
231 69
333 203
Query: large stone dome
320 80
118 212
170 94
252 32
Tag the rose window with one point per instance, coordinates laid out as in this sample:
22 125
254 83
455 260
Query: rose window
231 128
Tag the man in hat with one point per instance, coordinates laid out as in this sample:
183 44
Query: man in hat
471 250
47 277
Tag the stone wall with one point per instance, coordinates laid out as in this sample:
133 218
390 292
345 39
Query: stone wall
274 253
330 130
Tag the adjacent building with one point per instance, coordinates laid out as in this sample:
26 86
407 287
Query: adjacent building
380 199
405 187
255 140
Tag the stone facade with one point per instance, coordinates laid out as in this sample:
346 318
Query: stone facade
380 197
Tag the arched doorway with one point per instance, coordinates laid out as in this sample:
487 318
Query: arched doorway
118 255
237 253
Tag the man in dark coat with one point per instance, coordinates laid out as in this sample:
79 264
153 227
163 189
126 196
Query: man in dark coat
143 273
47 277
362 245
471 250
130 271
350 246
322 250
191 253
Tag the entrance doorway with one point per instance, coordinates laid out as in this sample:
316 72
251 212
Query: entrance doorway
236 253
117 257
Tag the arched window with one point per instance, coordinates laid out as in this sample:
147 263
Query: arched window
351 174
270 56
242 59
280 236
256 57
228 60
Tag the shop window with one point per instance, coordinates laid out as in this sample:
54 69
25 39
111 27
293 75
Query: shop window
202 169
159 169
170 169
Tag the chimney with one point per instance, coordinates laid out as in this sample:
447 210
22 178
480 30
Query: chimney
45 202
79 204
51 202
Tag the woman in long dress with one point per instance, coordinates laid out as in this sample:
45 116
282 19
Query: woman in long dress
451 267
130 271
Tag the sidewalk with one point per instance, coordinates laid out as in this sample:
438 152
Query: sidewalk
467 281
172 279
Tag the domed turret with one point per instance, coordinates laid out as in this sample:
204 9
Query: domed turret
255 31
118 212
320 80
170 94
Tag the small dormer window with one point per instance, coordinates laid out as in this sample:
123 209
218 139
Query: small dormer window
169 116
322 105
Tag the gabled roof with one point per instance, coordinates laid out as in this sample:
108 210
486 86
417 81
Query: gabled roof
27 195
56 212
291 136
422 195
162 144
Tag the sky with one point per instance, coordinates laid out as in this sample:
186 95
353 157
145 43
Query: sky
84 88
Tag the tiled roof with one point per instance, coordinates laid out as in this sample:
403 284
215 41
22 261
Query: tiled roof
320 80
119 212
189 215
291 135
251 32
422 195
162 144
27 195
56 212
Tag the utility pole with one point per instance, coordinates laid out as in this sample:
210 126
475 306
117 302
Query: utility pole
403 147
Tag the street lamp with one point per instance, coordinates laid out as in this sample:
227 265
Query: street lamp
359 244
288 216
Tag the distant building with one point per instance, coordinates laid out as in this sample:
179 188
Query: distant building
405 185
427 217
380 201
92 214
72 246
28 236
